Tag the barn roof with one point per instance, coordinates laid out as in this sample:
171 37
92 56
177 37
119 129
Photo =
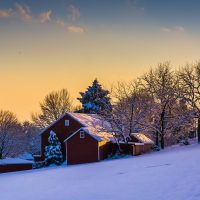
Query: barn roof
83 119
7 161
89 120
94 125
142 138
99 135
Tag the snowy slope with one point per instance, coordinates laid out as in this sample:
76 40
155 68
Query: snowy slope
172 174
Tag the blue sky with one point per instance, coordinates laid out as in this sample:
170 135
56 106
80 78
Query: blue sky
116 13
112 10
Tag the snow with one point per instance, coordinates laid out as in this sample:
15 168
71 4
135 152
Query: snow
95 99
143 138
26 156
94 125
87 119
99 135
14 161
53 152
171 174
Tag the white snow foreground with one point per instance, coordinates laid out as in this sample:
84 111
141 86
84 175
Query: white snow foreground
172 174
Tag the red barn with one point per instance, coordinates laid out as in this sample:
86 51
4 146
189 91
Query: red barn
84 137
87 145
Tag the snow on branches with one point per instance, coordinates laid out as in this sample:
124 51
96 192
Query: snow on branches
53 154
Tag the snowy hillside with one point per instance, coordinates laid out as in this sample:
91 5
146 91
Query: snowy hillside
173 174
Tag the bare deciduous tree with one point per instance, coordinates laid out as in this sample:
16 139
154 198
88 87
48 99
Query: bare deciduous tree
9 134
31 138
189 87
130 109
55 104
161 85
150 105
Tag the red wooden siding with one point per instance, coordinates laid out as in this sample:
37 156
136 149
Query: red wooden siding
61 131
81 150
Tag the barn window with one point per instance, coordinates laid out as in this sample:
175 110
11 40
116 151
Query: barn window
82 134
66 122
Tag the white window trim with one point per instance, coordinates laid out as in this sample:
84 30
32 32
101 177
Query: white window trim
66 122
82 134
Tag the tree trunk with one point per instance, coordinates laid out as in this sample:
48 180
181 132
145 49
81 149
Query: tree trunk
131 120
157 138
1 155
162 142
198 130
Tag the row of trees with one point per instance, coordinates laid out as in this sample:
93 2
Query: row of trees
154 104
162 103
17 138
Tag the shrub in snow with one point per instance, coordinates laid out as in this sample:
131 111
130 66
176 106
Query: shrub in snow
38 165
53 154
185 141
156 148
95 99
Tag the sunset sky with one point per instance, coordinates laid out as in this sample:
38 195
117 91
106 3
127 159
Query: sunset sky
47 45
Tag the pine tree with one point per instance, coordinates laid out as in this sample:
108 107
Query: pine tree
95 99
53 152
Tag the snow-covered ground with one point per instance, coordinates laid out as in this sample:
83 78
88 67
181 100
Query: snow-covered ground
172 174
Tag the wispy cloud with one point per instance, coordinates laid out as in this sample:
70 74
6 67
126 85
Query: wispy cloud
23 12
70 28
6 13
19 11
61 23
45 16
73 13
75 29
176 29
179 29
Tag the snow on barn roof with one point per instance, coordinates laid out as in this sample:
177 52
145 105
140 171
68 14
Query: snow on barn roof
91 120
99 134
142 138
94 125
84 119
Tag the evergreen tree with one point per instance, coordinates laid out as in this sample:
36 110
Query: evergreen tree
95 99
53 152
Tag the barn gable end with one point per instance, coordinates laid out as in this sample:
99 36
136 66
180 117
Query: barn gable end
81 147
62 130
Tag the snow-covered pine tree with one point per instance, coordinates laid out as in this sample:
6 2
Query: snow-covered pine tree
53 153
95 99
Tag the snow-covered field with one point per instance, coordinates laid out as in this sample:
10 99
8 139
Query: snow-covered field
173 174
